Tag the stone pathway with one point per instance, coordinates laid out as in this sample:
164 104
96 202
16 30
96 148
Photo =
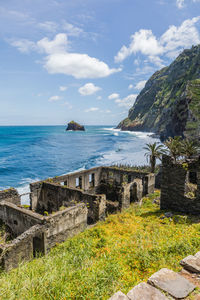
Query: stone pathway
166 284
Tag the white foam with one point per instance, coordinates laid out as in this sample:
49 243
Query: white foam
111 129
139 134
24 188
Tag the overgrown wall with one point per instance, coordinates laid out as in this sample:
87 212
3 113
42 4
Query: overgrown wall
65 224
18 219
173 186
11 195
21 249
54 196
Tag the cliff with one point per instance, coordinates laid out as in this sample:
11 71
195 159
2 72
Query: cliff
169 104
75 126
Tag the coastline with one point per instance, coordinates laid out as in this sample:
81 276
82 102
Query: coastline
50 151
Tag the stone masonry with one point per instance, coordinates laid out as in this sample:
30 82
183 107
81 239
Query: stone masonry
180 185
63 206
166 284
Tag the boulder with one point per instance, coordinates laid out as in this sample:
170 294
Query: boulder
172 283
192 263
75 126
119 296
145 291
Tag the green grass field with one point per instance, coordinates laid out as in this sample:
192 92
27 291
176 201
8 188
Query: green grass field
114 255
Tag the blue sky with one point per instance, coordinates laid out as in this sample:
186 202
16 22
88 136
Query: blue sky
86 60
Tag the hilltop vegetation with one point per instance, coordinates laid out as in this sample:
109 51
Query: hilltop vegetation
114 255
169 104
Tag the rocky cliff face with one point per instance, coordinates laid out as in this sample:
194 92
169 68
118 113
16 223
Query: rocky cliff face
169 104
75 126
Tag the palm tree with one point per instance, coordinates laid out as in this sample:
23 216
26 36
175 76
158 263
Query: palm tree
188 148
174 147
154 151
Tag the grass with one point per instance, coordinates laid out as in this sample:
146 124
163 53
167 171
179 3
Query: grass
3 234
114 255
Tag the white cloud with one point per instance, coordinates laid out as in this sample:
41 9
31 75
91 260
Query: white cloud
91 109
170 44
77 65
175 39
107 111
55 98
156 60
99 98
63 88
23 45
180 3
142 41
137 61
67 104
88 89
130 87
140 85
59 61
48 26
71 29
113 96
127 101
57 45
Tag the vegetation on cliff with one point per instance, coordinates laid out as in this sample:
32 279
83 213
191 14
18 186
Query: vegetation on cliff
74 126
169 104
114 255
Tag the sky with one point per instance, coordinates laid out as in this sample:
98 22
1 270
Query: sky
86 60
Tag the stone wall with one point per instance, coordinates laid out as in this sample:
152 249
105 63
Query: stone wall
174 186
63 206
54 196
42 237
86 180
35 189
18 219
120 176
65 224
22 248
11 195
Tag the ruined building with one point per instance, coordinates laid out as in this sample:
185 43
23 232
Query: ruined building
180 185
62 206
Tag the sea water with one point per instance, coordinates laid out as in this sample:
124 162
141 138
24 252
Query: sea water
31 153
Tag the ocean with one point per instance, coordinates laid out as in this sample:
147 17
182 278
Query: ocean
31 153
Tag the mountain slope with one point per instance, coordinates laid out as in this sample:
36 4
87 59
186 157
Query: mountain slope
169 104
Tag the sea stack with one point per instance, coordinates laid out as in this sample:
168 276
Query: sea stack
75 126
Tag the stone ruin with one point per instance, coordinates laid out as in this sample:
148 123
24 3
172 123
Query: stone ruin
180 185
63 206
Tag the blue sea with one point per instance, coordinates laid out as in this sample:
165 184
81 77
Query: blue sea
31 153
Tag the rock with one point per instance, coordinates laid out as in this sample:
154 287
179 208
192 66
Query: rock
197 254
75 126
191 263
145 291
168 104
119 296
168 215
172 283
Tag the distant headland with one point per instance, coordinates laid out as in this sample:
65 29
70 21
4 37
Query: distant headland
75 126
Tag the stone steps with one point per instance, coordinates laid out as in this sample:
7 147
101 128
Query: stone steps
166 284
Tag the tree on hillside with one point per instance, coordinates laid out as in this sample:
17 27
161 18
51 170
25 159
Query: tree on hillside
154 151
174 147
188 148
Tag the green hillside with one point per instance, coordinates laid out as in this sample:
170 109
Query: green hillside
114 255
169 103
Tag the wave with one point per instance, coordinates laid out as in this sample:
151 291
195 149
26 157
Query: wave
139 134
